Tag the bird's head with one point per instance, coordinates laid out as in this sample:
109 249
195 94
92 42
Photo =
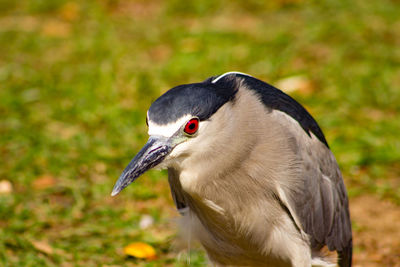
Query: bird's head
181 123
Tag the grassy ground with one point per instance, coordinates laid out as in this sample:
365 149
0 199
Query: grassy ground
76 78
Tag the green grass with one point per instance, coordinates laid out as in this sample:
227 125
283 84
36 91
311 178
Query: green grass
76 79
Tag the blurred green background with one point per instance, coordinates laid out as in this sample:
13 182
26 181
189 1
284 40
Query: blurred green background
76 79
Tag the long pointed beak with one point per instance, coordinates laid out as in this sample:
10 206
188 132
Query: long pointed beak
153 153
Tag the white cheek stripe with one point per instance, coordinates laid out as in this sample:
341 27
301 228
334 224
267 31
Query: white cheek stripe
169 129
228 73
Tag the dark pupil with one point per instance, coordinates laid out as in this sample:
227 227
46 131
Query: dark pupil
191 126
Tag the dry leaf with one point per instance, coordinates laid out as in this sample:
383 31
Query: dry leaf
5 187
140 250
43 247
44 181
296 83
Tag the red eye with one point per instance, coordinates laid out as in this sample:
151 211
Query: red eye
192 126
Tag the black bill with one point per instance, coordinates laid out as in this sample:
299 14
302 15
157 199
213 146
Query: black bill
153 153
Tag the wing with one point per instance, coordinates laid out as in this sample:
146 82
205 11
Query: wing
320 202
324 211
176 190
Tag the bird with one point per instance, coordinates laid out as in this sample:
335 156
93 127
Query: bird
251 173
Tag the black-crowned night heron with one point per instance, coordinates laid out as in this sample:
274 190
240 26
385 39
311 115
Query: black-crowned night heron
251 172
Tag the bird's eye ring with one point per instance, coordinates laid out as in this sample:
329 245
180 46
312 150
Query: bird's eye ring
191 126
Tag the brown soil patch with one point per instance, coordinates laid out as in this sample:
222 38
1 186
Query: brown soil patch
376 232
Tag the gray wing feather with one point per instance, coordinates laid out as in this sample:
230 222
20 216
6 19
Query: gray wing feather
320 202
330 223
